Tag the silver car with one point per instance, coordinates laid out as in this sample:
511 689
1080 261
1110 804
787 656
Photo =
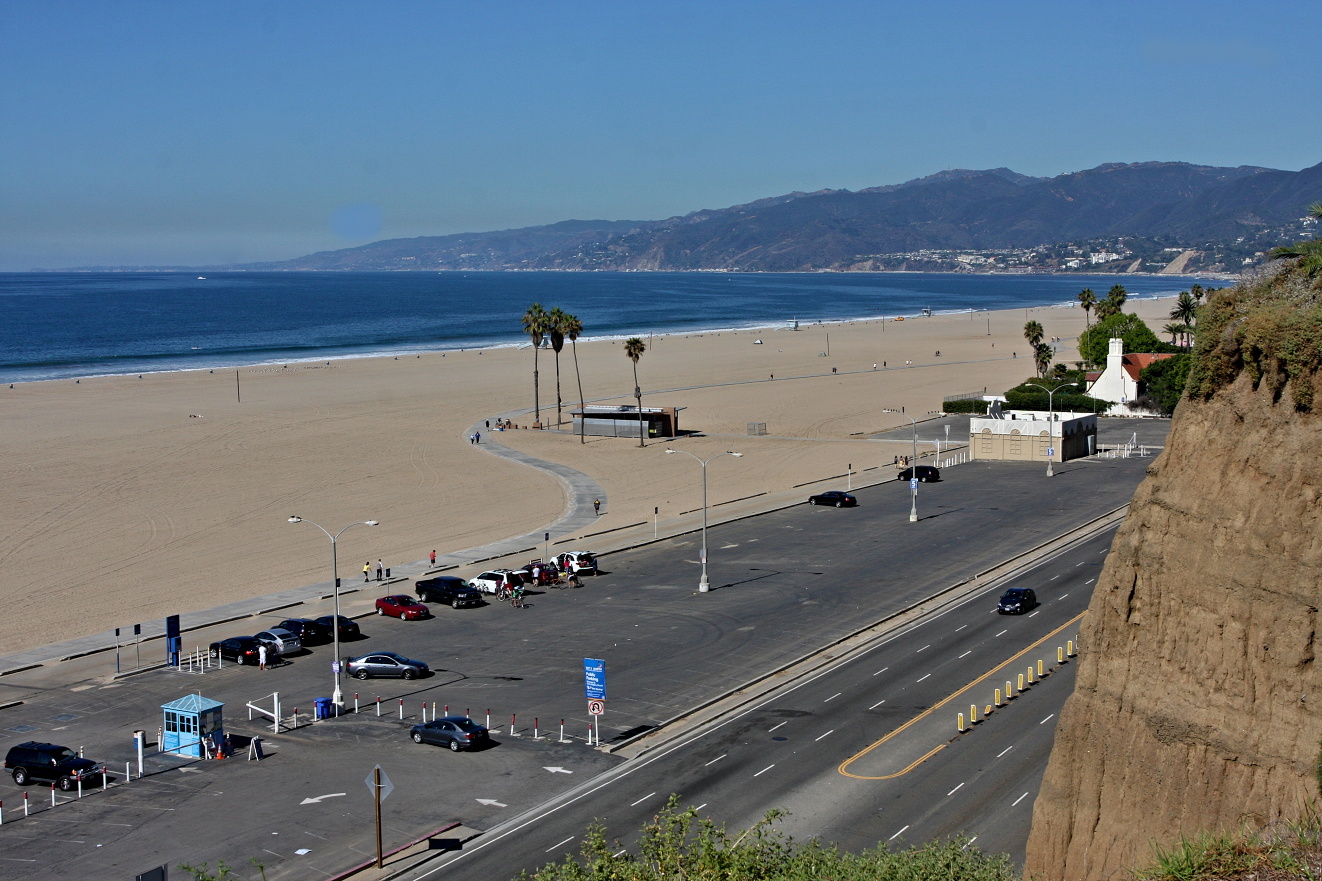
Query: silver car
386 664
284 641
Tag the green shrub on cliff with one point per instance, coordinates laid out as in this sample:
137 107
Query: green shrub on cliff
676 844
1269 327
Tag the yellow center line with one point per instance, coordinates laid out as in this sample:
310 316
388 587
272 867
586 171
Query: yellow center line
844 766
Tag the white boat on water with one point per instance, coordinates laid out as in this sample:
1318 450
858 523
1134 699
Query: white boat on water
201 278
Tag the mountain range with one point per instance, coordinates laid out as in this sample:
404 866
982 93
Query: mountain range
1184 205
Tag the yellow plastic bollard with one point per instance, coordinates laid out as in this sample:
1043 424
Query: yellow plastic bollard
1021 682
1031 680
1069 648
1060 655
1009 691
988 712
961 728
998 697
1040 674
973 714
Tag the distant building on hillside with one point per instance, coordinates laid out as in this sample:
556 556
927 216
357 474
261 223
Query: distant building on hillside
1118 383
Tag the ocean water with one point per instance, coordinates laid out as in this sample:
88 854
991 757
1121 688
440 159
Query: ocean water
65 325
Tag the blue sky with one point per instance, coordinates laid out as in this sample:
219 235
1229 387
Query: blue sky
211 132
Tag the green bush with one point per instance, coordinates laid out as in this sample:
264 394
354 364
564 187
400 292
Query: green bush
1095 342
1163 381
968 405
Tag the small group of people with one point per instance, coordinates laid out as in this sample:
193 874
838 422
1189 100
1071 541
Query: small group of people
475 437
381 568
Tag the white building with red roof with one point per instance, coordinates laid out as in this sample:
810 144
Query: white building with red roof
1118 383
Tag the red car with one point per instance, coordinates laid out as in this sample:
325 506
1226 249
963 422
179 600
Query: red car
401 606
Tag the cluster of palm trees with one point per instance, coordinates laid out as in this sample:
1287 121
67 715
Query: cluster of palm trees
1112 304
557 325
1042 352
1184 316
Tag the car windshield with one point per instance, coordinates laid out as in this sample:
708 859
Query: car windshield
468 725
64 753
1016 594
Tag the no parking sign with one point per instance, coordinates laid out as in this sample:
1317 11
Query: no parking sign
596 708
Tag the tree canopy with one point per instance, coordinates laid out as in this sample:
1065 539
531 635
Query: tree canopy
1162 382
1095 342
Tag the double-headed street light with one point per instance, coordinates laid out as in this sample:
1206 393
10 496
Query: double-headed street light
913 474
703 587
337 696
1051 419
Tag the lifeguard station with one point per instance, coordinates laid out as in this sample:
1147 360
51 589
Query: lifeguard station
188 722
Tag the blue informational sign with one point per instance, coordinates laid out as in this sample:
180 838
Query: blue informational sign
594 678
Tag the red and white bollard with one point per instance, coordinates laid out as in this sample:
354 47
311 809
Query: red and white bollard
25 804
424 712
355 702
535 723
401 709
488 718
378 705
562 731
512 734
52 795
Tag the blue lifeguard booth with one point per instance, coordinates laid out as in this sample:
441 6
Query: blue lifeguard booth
188 721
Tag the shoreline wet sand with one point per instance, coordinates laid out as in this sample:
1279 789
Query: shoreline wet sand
129 499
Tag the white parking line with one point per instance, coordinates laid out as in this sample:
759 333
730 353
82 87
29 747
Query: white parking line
1061 597
1047 719
717 759
1077 565
1104 551
569 839
1053 578
1004 751
764 770
1019 799
969 842
882 670
819 738
924 648
955 790
643 799
877 704
897 834
960 627
701 806
924 677
1002 633
833 697
1090 581
965 655
1034 613
774 727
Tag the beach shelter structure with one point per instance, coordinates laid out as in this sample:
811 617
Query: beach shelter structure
188 722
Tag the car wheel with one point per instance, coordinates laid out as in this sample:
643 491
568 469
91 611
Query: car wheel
21 776
839 504
65 784
454 746
360 674
812 501
380 611
417 737
238 659
410 673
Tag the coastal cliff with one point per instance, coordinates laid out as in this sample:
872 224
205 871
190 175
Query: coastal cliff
1198 703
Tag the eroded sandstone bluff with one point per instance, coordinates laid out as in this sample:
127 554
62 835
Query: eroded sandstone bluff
1198 703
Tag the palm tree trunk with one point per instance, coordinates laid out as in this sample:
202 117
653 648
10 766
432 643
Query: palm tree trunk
638 394
536 392
558 417
582 405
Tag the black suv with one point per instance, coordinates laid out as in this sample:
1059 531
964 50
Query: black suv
53 764
1017 601
307 630
448 589
924 473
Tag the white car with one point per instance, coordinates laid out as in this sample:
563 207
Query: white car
285 642
495 580
579 562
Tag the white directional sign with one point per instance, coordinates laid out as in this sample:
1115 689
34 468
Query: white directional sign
386 786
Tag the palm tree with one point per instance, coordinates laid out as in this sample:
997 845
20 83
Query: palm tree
573 328
1309 254
1042 355
1186 309
1197 293
1087 299
534 324
1033 332
555 326
1117 294
1174 330
633 350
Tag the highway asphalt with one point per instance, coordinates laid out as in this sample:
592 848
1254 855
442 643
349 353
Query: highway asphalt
785 584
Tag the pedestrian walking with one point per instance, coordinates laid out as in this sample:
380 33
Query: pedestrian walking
433 557
477 438
367 571
261 657
380 567
488 425
596 506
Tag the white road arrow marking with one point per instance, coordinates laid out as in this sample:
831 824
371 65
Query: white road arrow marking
317 800
556 769
491 803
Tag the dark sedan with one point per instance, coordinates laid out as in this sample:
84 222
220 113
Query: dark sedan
834 497
924 473
307 630
348 627
456 732
243 650
1017 601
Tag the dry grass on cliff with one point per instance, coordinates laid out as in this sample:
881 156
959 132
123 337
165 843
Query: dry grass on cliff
1282 852
1270 326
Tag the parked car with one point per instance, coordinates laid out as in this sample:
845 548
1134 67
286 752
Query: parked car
1017 601
833 497
348 627
309 632
448 589
924 473
282 640
494 580
386 664
52 764
243 650
456 732
579 562
403 606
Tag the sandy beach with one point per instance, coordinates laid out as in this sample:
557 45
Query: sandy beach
127 499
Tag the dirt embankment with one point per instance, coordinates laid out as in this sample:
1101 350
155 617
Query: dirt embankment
1199 703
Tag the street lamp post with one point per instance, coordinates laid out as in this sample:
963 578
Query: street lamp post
913 474
337 695
1051 417
703 586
